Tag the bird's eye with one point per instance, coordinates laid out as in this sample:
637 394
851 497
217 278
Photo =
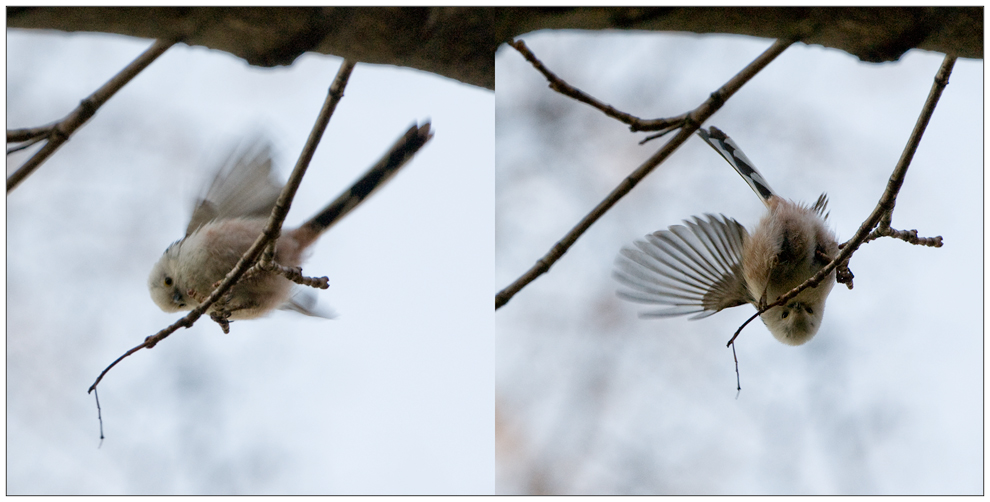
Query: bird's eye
168 281
809 310
783 314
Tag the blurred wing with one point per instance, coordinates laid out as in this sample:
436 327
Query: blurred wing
695 269
727 148
304 301
243 187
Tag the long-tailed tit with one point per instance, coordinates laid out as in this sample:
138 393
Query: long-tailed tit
231 215
711 264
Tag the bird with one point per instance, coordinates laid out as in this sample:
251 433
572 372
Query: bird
231 215
712 263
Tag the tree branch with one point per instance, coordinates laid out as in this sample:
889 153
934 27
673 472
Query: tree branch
461 42
884 210
556 83
271 230
59 132
690 123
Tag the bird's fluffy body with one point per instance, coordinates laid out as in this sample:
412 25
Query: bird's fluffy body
707 265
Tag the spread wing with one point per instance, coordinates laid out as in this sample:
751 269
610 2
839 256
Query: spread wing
692 269
244 186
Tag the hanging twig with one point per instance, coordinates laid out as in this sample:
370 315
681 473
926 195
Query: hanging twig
59 133
99 415
688 123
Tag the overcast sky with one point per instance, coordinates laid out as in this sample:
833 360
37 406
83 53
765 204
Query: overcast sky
393 396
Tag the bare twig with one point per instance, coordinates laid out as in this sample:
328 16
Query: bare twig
25 145
690 123
18 135
883 212
27 137
736 359
99 415
272 229
739 330
59 133
293 274
910 236
556 83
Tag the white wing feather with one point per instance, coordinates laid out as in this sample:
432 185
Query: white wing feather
692 269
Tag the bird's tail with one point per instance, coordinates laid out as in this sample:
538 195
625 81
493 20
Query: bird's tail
731 153
400 153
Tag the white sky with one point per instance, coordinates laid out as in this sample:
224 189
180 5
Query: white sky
394 396
887 398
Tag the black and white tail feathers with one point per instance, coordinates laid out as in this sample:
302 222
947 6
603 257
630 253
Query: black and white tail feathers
401 152
727 148
695 268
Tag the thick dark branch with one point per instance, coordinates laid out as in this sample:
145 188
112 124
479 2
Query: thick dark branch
460 42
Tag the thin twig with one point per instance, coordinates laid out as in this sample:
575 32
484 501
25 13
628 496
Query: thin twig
691 123
61 131
99 415
27 137
636 124
18 135
272 229
25 145
910 236
293 274
739 330
736 359
885 207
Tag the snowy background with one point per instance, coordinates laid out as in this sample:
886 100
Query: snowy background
887 398
393 396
